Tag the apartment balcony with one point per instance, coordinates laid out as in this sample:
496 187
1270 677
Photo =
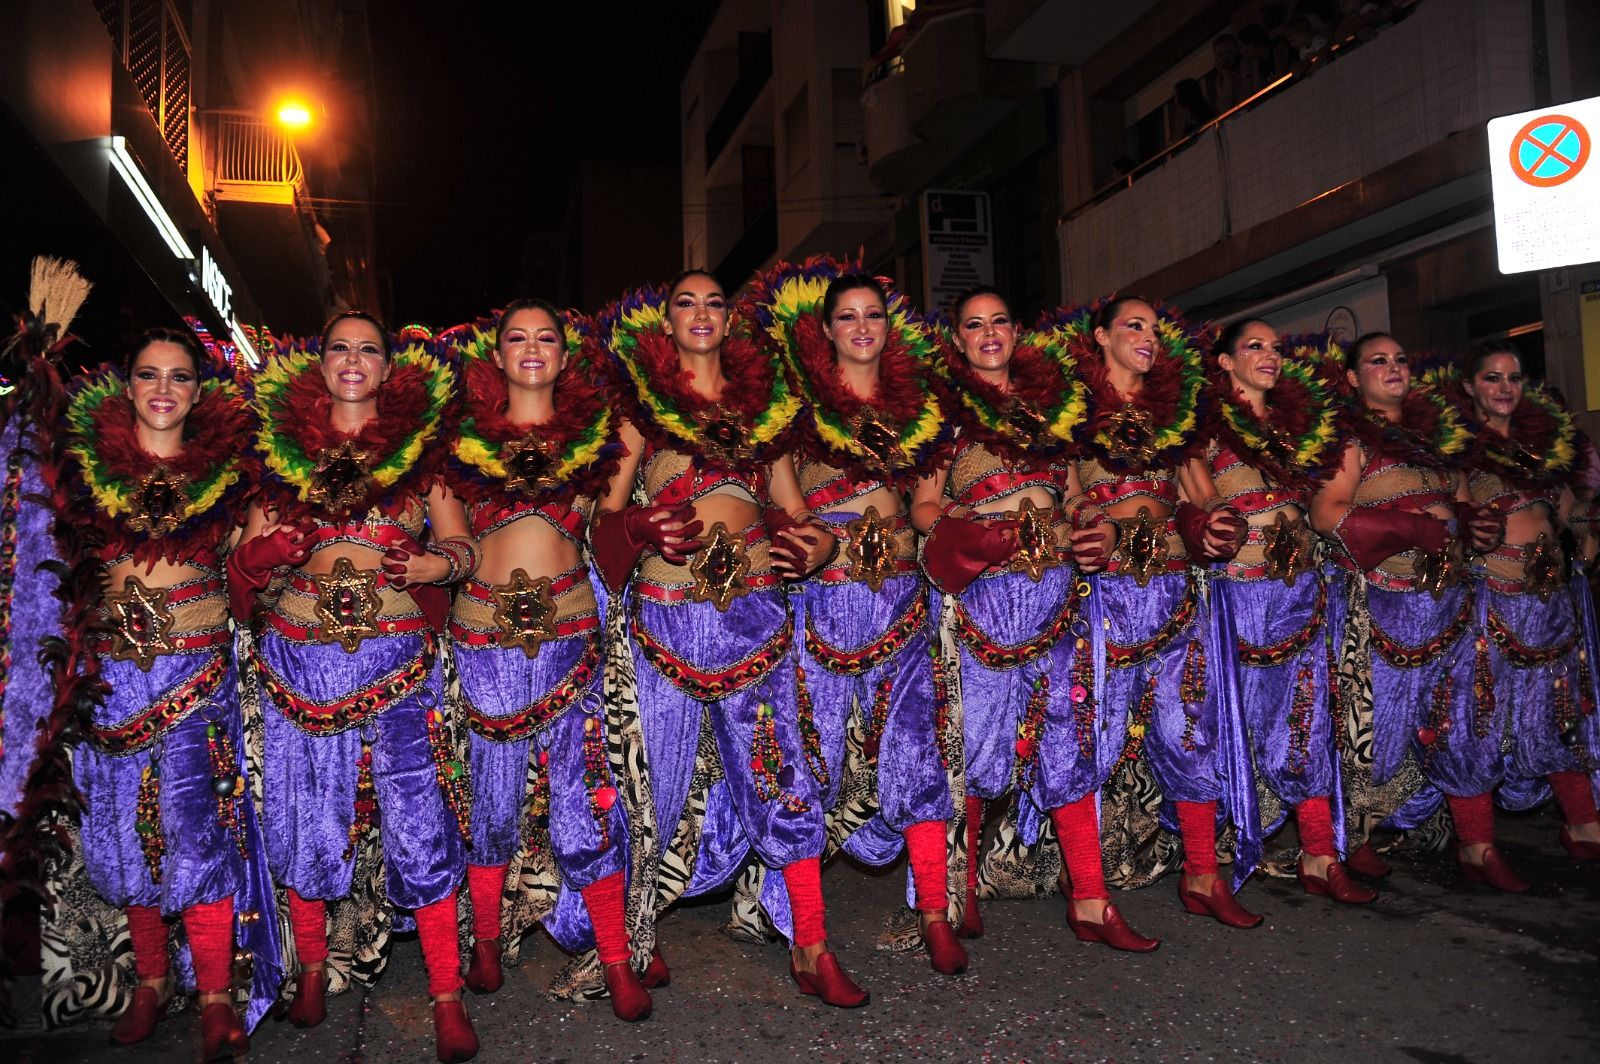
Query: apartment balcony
1386 136
251 161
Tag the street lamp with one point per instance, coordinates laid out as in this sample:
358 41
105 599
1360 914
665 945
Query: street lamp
294 115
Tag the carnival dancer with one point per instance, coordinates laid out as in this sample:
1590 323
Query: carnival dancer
710 627
535 446
348 657
1399 513
1145 377
1276 435
1532 671
162 466
872 422
1005 523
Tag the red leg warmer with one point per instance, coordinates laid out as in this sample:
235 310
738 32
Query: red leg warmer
929 867
604 900
1197 821
1314 818
804 882
974 841
1078 831
309 921
1575 796
210 930
441 952
1474 817
485 884
149 934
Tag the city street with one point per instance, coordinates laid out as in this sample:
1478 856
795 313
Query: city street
1436 971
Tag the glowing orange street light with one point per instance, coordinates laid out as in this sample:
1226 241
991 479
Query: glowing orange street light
294 115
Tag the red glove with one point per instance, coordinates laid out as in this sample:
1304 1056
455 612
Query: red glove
1371 534
1194 523
619 537
959 549
251 564
778 521
1483 526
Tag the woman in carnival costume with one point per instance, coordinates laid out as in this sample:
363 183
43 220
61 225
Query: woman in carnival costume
710 626
1145 377
871 425
162 466
535 446
1532 670
1276 435
1398 510
348 656
1005 523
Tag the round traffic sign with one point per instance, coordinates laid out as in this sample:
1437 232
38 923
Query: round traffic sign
1550 150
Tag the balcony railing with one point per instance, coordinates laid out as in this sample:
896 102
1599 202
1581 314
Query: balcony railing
253 162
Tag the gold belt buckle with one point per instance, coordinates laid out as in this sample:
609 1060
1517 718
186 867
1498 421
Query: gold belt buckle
1287 549
525 612
1437 573
870 546
1543 567
143 623
720 568
347 605
1144 545
1036 541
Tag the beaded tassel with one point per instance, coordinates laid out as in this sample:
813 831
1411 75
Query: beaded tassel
941 707
1438 726
227 783
1192 689
538 816
810 737
366 801
1334 696
1482 689
1301 711
451 773
1029 730
1081 694
597 776
1140 723
147 820
877 719
766 763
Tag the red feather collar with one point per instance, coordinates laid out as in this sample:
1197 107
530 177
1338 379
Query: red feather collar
1036 383
749 373
1159 397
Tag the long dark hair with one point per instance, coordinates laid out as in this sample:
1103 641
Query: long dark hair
161 334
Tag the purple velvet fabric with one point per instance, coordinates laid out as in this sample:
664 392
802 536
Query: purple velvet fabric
499 681
709 639
1265 612
1529 695
912 786
1010 609
310 784
1403 699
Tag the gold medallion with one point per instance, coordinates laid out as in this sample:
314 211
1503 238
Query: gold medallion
529 465
347 605
1144 545
1287 549
1130 435
1543 567
870 546
143 623
876 438
723 431
525 612
720 567
158 501
1437 573
340 480
1036 541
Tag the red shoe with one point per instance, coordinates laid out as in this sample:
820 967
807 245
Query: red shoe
222 1035
1366 862
1578 849
1338 885
139 1020
944 949
310 1005
630 1001
483 974
1220 903
1112 930
1493 871
454 1040
971 919
656 973
829 983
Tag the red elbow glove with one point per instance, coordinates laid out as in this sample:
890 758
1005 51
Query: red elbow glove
250 567
1483 527
958 549
1371 534
619 537
1193 523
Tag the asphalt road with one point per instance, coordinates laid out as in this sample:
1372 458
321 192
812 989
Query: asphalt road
1436 971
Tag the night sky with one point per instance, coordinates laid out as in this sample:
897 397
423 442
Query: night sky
480 118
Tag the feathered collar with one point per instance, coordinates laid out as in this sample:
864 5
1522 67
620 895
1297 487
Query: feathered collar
1299 442
894 435
1542 448
174 509
314 469
744 428
1430 432
1154 428
1039 414
492 459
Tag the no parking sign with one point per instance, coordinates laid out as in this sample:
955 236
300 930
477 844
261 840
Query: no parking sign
1546 186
